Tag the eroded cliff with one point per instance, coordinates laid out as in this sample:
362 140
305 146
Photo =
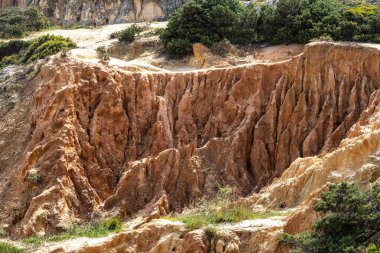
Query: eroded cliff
105 141
100 12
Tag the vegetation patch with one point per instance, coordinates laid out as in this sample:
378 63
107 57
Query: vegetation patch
34 177
9 248
207 22
211 231
94 230
351 222
18 22
102 53
18 52
129 35
287 21
221 210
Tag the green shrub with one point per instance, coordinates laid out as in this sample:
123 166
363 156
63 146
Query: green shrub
372 248
129 34
204 21
112 224
9 60
300 21
158 31
17 52
12 47
18 22
8 248
286 21
351 222
47 45
102 53
211 231
34 177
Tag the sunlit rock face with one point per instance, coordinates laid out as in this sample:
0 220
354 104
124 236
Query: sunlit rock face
106 140
100 12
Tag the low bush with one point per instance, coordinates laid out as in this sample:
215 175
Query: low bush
34 177
211 231
129 34
158 31
351 222
18 22
102 53
12 47
17 51
47 45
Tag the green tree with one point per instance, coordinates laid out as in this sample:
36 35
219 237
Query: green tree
361 22
351 222
299 21
17 22
207 22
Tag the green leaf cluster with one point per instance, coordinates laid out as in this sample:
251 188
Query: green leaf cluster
351 222
8 248
128 35
207 22
288 21
18 51
18 22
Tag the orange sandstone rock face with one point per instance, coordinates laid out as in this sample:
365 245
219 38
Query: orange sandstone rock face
111 141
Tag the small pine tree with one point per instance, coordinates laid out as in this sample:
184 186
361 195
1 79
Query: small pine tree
351 222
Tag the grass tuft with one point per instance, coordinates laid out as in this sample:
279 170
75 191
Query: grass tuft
211 231
99 229
9 248
195 220
221 211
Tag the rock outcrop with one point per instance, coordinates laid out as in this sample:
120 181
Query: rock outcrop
100 12
109 141
357 159
103 12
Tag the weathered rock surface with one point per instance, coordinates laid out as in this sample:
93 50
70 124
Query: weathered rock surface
100 12
111 141
355 160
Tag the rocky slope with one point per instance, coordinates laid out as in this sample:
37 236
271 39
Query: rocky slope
103 12
106 141
100 12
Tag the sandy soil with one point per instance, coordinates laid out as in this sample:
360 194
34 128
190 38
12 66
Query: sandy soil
146 53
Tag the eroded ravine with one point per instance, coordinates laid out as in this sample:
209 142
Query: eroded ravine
110 140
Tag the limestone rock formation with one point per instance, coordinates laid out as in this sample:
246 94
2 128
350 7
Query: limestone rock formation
110 141
355 160
11 3
100 12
